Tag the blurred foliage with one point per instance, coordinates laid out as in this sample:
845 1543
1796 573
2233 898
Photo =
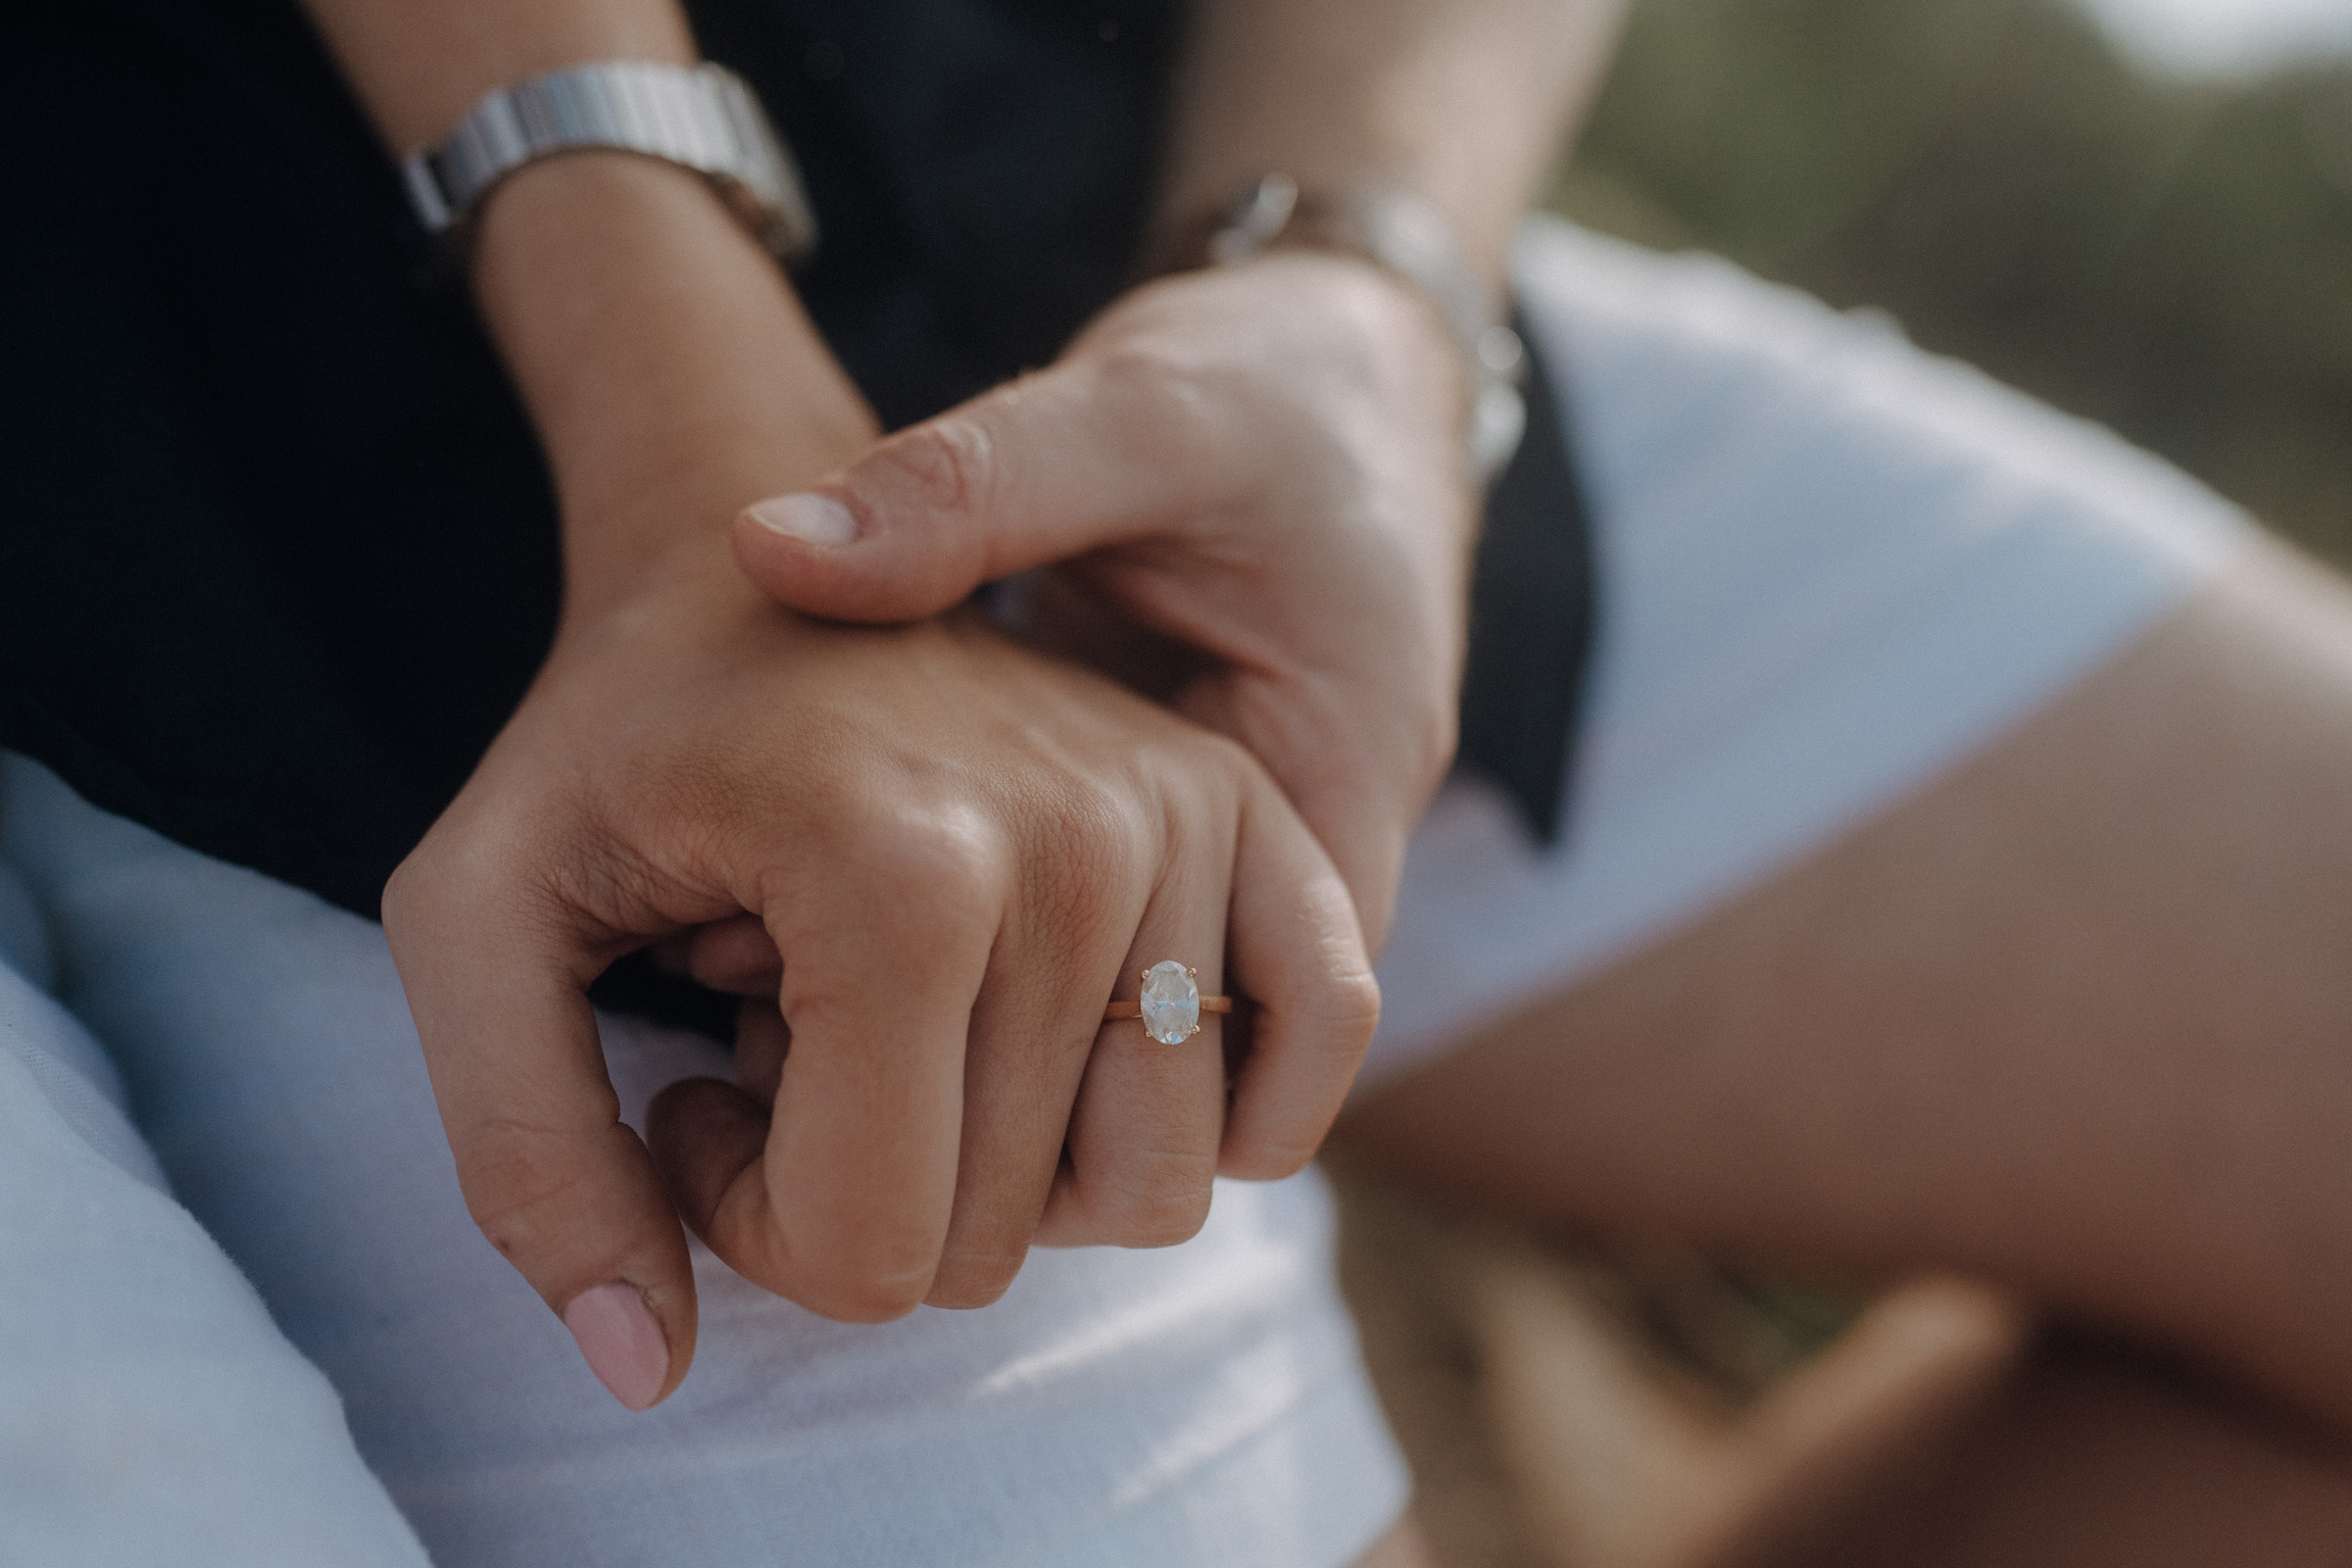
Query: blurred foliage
2172 257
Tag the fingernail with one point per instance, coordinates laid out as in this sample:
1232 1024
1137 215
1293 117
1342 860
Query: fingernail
813 518
621 1342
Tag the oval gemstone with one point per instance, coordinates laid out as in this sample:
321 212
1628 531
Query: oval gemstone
1171 1003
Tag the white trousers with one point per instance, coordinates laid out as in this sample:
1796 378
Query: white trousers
245 1320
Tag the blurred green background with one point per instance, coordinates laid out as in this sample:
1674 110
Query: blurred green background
2169 255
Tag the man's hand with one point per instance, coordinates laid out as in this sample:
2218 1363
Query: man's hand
1263 463
960 850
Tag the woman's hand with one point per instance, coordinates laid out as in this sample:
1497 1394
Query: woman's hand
1263 463
960 850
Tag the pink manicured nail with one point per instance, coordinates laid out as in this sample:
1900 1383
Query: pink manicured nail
621 1342
813 518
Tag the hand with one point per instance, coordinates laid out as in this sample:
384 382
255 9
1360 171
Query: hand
1263 463
960 850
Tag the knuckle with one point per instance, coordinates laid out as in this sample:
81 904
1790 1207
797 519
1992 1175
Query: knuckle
1164 1221
1146 369
941 852
942 483
859 1300
438 885
524 1184
401 889
404 901
868 1284
1271 1159
1353 1012
975 1277
854 1272
497 872
1175 398
1228 755
1085 854
948 465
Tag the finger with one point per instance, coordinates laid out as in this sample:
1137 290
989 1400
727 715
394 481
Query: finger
1358 784
763 1039
735 955
705 1134
845 1209
1297 955
1144 1138
1032 1032
556 1181
1101 450
1365 827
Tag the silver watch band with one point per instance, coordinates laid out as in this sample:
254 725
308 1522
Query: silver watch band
1410 238
703 117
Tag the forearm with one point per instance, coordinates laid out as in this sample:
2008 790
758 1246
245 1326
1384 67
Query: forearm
1462 102
418 66
654 343
671 374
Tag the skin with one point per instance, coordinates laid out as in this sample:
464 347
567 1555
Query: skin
959 848
2072 1019
2091 1455
908 1150
1262 463
1213 442
1992 1032
1265 464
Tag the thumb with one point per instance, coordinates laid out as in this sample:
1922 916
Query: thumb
557 1182
1096 451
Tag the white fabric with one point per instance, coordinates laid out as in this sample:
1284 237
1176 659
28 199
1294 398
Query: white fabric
1829 568
1197 1407
150 1411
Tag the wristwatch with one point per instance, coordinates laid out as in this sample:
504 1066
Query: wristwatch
703 117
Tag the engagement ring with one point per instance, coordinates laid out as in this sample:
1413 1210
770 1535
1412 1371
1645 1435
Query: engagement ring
1172 1004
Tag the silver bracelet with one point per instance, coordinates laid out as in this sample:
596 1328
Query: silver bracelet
704 117
1411 239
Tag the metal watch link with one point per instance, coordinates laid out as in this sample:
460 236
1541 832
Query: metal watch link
704 117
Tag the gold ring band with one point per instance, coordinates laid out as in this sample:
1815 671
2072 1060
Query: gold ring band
1135 1010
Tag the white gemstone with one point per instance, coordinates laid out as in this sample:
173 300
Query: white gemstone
1171 1003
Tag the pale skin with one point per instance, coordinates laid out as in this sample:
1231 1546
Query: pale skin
1779 1037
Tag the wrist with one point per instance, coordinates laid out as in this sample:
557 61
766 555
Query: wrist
671 372
685 594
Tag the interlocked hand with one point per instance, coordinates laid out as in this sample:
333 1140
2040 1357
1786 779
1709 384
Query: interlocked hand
1262 462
